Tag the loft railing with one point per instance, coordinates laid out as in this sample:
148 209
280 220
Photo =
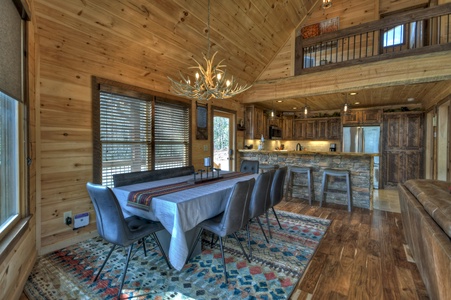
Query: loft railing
412 33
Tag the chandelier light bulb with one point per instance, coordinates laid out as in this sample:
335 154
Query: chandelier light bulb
305 110
197 75
218 76
345 108
272 113
228 83
327 4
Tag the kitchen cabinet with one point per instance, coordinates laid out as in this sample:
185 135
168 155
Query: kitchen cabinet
255 123
317 129
275 121
402 155
334 129
304 129
287 127
362 117
321 129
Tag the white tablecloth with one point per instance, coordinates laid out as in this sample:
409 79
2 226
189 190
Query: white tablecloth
181 211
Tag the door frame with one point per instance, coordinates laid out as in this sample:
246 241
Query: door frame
233 113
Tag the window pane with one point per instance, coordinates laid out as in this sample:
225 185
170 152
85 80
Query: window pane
9 158
394 36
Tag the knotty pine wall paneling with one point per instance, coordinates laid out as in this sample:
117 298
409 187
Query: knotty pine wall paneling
73 49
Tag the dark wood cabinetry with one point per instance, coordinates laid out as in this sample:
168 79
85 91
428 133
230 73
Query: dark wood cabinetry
362 117
317 129
255 122
334 129
402 153
287 127
274 121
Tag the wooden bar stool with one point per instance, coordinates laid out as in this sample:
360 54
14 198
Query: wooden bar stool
337 173
267 167
300 171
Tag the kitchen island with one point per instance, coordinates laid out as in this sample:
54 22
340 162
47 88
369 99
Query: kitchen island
361 166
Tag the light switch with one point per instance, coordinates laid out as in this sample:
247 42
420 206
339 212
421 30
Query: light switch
205 148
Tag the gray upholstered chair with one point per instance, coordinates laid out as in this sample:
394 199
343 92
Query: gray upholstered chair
259 202
117 230
234 217
276 194
249 166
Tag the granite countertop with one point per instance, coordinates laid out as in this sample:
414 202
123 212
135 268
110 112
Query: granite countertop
303 152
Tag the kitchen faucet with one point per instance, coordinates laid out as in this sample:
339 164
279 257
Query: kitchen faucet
298 147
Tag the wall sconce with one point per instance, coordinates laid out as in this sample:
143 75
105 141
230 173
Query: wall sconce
345 107
327 4
305 110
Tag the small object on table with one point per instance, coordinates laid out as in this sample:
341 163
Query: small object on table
207 163
201 172
195 176
217 170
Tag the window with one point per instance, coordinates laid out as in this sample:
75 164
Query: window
394 36
12 122
138 132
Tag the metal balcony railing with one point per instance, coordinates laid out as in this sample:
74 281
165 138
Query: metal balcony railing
417 32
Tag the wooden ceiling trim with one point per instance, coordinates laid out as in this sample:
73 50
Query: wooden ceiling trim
408 70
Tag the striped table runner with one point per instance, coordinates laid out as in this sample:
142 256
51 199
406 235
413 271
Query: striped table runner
141 199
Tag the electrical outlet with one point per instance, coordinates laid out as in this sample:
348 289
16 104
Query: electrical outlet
67 214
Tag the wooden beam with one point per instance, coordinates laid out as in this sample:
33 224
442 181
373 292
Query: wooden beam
408 70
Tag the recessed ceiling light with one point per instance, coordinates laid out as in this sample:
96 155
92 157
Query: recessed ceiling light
279 101
295 107
410 99
352 93
357 103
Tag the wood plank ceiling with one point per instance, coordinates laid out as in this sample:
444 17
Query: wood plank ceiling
157 39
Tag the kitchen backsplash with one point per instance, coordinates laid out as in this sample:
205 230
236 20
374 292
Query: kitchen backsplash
320 146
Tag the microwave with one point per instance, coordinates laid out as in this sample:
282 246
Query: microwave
275 133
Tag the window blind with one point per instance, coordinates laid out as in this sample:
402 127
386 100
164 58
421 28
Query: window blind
11 50
125 135
171 135
139 132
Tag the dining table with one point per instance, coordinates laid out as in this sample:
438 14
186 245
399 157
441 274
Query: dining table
179 211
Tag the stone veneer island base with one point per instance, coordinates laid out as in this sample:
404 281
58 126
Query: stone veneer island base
360 164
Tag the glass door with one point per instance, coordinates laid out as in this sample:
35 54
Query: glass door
223 140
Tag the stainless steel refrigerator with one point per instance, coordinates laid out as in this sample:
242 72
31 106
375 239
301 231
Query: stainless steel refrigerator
364 139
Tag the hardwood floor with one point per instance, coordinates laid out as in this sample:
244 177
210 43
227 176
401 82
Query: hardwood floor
362 256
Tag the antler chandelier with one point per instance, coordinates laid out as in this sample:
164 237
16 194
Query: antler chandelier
210 82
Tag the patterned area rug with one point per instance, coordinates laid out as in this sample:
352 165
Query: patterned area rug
272 274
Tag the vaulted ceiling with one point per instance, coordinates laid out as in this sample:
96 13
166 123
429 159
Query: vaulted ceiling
154 39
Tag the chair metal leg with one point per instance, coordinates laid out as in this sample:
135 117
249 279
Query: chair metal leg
323 188
144 246
124 272
249 239
261 227
154 236
269 226
223 260
241 246
349 191
274 211
103 265
309 185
